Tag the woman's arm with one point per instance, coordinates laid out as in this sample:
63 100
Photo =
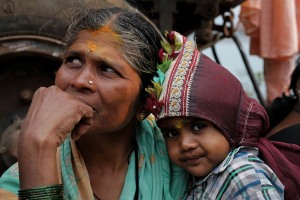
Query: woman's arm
53 114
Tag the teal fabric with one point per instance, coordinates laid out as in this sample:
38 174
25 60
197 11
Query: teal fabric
155 178
68 177
158 179
10 179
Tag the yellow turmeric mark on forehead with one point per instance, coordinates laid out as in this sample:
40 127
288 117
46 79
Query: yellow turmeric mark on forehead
179 124
92 46
106 29
183 122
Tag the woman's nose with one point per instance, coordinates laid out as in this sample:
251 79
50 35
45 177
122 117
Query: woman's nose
85 79
187 142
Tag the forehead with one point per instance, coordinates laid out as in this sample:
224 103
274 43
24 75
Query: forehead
177 121
101 46
96 39
97 43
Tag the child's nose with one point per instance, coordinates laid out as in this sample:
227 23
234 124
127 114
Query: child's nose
187 142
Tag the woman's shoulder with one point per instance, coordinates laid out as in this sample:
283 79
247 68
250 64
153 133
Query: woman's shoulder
148 128
289 135
149 123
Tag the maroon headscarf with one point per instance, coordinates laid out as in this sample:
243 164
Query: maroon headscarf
284 159
196 86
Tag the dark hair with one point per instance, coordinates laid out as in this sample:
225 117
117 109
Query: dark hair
282 106
295 76
140 38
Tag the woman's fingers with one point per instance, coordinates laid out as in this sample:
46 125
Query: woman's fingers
84 124
53 114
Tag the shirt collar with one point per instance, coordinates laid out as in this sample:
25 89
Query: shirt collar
221 167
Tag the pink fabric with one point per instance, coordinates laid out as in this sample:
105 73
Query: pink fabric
272 26
284 159
274 31
277 75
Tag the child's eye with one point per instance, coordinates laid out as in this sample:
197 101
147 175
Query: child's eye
198 126
169 133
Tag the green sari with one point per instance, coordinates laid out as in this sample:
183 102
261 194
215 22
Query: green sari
158 179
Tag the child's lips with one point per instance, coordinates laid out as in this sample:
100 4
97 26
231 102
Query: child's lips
191 160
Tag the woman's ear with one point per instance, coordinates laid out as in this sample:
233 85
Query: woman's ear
142 113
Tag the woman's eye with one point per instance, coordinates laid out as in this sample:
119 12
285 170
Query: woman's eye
198 126
170 133
107 69
73 62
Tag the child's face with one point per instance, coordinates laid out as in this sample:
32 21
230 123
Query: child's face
194 144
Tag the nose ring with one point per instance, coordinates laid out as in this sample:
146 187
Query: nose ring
90 82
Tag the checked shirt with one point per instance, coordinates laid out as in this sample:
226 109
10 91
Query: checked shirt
242 175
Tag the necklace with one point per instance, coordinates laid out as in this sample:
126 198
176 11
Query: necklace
136 194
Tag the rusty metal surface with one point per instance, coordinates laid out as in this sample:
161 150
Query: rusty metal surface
42 17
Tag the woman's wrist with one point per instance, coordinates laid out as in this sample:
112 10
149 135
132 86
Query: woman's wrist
50 192
37 167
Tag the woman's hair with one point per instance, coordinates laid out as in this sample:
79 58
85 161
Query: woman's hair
282 106
140 39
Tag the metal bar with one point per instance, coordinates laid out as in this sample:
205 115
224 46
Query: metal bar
247 65
213 48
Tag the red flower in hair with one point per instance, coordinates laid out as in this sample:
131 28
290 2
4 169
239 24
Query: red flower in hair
153 105
168 52
171 37
161 54
173 55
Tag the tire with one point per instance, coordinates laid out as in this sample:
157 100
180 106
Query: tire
47 18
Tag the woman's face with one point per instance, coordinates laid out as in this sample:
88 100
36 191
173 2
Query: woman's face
95 57
194 144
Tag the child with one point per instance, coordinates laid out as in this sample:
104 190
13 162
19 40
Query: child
210 125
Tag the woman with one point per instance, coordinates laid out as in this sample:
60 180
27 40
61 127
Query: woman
86 137
284 113
284 130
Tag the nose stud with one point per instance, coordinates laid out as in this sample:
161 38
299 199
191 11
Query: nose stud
90 82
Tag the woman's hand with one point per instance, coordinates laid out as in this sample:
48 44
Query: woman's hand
52 115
